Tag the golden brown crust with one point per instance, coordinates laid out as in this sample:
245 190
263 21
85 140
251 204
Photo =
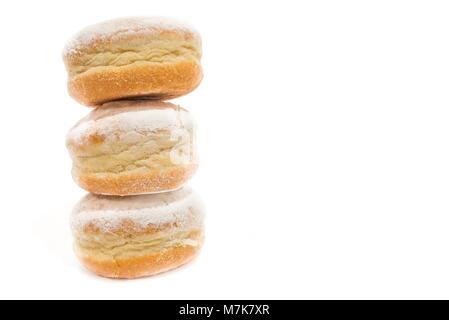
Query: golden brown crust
142 266
156 180
145 79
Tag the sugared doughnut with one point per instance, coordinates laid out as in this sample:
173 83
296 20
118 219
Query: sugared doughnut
133 147
133 57
137 236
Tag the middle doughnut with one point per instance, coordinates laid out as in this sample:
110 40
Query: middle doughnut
133 147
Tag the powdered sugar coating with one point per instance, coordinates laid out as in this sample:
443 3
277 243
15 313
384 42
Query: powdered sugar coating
107 212
120 28
122 120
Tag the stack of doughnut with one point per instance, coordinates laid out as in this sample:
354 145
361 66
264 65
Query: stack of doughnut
134 152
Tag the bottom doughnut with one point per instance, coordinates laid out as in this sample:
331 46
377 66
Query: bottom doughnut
138 236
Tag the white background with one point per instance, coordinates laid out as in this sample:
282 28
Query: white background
324 143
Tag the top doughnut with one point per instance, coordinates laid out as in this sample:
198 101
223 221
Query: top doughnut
151 57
